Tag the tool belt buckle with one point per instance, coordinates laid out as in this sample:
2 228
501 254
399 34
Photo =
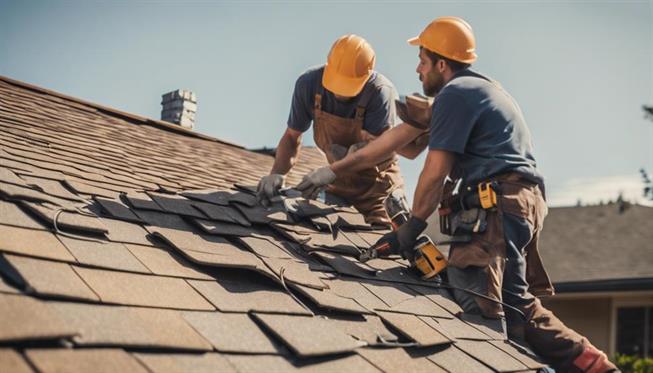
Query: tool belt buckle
487 195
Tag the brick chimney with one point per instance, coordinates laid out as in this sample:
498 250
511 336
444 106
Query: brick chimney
179 107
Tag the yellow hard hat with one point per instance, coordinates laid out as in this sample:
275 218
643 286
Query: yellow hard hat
349 65
450 37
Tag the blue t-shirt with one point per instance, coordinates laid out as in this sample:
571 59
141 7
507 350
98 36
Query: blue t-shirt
379 113
477 119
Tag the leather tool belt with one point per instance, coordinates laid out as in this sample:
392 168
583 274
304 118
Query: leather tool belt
466 212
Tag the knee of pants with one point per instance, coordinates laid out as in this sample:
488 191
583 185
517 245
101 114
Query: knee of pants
475 280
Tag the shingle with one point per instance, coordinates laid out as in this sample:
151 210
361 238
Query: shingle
490 356
103 254
329 300
176 204
419 305
143 290
90 190
440 297
414 328
246 296
295 272
102 325
122 231
491 327
261 363
66 219
142 201
12 361
165 263
8 176
265 248
197 363
12 214
116 209
366 328
244 199
454 360
32 242
86 360
455 328
222 213
164 220
215 196
351 363
227 261
231 332
338 245
16 192
51 278
222 228
309 336
390 293
344 265
355 290
52 187
523 357
25 318
397 360
262 215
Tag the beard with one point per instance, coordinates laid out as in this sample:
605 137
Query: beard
432 83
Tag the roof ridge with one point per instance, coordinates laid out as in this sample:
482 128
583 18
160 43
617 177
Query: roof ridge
119 113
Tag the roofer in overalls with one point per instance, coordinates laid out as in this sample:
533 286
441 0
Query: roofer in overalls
349 104
480 170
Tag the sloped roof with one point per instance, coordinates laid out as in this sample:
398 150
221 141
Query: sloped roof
125 246
598 244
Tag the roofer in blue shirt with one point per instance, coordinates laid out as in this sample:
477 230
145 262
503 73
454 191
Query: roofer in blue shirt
479 150
349 104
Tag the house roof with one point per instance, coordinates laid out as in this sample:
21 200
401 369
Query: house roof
593 248
130 244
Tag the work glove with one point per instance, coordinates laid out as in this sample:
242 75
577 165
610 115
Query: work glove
416 111
269 187
315 181
402 241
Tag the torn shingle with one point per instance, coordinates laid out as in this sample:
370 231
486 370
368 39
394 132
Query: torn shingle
366 328
247 296
66 219
176 204
414 328
222 228
419 306
218 197
231 332
295 272
125 232
327 299
309 336
142 201
90 190
164 263
352 289
52 187
116 209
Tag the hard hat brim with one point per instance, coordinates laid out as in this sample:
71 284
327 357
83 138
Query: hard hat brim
414 41
341 85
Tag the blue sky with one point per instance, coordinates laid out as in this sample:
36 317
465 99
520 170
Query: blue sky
579 70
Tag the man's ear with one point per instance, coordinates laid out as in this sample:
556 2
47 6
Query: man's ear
441 66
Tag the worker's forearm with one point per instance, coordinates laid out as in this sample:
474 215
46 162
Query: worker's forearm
427 196
286 154
415 147
376 151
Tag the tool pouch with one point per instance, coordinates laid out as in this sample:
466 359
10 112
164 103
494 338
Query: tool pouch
465 222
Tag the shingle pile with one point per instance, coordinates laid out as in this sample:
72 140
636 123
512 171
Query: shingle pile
125 245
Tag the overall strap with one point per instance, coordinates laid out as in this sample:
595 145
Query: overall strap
317 105
364 100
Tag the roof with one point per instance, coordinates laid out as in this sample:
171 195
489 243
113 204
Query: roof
126 246
615 247
310 158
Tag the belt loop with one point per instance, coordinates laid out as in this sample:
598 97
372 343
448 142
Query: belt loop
318 101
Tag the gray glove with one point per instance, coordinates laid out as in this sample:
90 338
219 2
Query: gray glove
314 181
269 187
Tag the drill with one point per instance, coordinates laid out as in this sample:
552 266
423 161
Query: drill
428 260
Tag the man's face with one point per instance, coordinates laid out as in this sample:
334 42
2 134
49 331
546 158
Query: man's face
432 80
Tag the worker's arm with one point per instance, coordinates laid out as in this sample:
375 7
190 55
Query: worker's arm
428 193
415 147
287 152
378 150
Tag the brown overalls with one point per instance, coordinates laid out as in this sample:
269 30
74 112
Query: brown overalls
483 265
366 189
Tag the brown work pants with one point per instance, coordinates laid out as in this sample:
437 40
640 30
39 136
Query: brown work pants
504 263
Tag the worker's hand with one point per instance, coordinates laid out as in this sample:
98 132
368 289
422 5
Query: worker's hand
269 187
314 181
402 241
416 111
